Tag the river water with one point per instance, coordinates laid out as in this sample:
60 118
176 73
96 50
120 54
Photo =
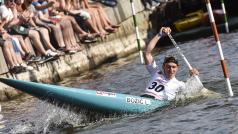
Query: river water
207 115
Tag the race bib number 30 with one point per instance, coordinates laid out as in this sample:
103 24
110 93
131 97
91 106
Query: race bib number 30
156 86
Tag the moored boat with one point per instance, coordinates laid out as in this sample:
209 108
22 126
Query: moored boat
191 20
108 102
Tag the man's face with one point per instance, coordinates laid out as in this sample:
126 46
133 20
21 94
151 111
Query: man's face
170 69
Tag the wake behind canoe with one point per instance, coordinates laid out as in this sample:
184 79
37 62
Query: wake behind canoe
97 100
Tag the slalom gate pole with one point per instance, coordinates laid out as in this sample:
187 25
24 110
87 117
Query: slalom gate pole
216 36
137 32
182 55
225 16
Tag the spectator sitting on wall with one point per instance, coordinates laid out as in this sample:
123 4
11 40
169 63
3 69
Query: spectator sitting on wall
14 27
94 16
83 35
25 49
62 30
84 18
12 53
97 9
6 16
28 14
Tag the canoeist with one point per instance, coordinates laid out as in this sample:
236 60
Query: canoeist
163 84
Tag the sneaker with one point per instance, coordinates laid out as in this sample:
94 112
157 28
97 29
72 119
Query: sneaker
60 53
17 69
14 70
47 58
29 68
51 53
35 59
21 68
31 59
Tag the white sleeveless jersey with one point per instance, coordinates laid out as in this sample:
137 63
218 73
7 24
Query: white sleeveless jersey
160 87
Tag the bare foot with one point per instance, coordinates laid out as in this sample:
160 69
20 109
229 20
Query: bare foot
77 47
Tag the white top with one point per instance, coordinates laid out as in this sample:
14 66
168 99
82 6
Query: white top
160 87
6 13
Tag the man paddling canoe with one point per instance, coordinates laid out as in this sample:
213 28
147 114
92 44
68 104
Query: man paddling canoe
163 84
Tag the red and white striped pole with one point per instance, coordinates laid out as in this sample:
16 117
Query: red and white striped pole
215 33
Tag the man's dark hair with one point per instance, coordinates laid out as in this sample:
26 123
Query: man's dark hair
172 59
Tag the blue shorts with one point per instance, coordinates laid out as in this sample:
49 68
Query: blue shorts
15 47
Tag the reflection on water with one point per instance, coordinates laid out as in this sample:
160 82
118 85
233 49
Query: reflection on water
203 115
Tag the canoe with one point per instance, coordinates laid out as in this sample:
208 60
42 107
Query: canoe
108 102
191 20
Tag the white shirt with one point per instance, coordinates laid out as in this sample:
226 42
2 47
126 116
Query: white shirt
160 87
6 13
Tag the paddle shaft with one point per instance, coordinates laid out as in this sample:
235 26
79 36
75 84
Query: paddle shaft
137 32
182 55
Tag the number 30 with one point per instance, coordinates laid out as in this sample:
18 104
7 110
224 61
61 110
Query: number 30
156 87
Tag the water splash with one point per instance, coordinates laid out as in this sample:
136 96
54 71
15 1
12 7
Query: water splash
56 117
21 129
49 118
193 86
193 89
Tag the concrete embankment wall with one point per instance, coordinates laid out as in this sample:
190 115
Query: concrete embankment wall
117 45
